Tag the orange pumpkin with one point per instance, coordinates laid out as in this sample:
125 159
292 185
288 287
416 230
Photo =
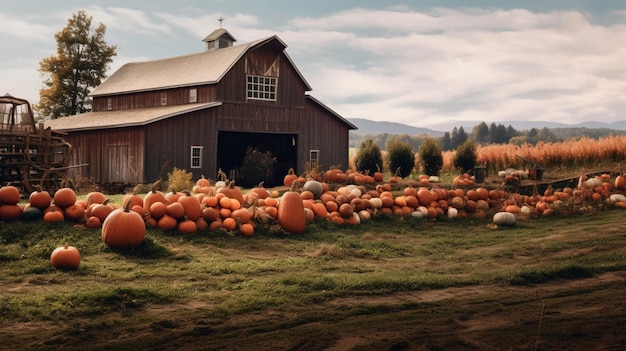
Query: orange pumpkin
167 222
65 257
10 212
290 177
153 196
291 216
40 199
64 197
53 215
175 209
246 229
192 207
75 212
620 182
232 191
10 195
187 226
93 222
95 197
134 199
123 228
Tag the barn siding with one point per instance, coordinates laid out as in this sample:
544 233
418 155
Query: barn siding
176 96
95 148
169 143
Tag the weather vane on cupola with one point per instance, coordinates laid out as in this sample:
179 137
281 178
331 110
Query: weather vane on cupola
221 19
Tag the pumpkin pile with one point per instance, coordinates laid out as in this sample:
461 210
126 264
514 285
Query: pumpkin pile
349 199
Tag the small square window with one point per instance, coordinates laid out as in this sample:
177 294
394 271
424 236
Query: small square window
193 95
196 156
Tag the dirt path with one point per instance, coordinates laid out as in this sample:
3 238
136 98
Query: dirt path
581 314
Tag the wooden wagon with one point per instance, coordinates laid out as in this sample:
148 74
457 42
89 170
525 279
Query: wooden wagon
31 156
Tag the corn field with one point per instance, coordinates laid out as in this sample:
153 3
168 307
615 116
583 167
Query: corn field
572 153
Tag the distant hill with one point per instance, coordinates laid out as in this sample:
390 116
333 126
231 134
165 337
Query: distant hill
369 127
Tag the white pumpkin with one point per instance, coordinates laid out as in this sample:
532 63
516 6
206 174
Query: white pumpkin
452 212
505 218
617 198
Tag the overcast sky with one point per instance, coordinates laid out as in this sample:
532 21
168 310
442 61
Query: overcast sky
421 63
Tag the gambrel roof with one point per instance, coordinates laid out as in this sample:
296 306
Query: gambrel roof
206 67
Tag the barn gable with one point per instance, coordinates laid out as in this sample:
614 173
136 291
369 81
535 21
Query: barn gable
200 112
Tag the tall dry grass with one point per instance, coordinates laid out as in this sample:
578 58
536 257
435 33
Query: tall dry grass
569 154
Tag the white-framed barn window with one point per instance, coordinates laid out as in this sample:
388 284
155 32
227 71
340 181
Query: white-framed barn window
163 99
109 104
196 156
314 158
193 95
261 88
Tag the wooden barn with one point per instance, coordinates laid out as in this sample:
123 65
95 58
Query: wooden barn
201 112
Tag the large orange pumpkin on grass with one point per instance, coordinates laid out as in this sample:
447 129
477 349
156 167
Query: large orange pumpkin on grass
65 257
123 228
291 216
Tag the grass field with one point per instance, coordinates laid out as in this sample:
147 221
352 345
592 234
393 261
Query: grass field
555 283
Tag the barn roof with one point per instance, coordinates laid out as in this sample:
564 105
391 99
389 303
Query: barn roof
206 67
122 118
329 110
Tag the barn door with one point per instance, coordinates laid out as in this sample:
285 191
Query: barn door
116 164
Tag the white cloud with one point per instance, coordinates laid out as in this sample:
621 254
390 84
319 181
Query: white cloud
462 64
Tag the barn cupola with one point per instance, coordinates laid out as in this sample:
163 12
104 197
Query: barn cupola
218 39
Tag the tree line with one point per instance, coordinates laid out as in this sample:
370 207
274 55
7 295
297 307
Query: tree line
483 134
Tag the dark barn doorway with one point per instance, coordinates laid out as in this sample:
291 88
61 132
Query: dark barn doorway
232 147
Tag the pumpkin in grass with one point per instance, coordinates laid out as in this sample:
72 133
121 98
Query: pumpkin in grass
31 213
505 218
246 229
10 212
65 257
53 216
187 226
74 212
291 216
64 197
10 195
167 223
93 222
123 228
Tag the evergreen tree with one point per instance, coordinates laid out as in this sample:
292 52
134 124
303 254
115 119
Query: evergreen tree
368 158
481 133
81 62
445 142
400 156
454 138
